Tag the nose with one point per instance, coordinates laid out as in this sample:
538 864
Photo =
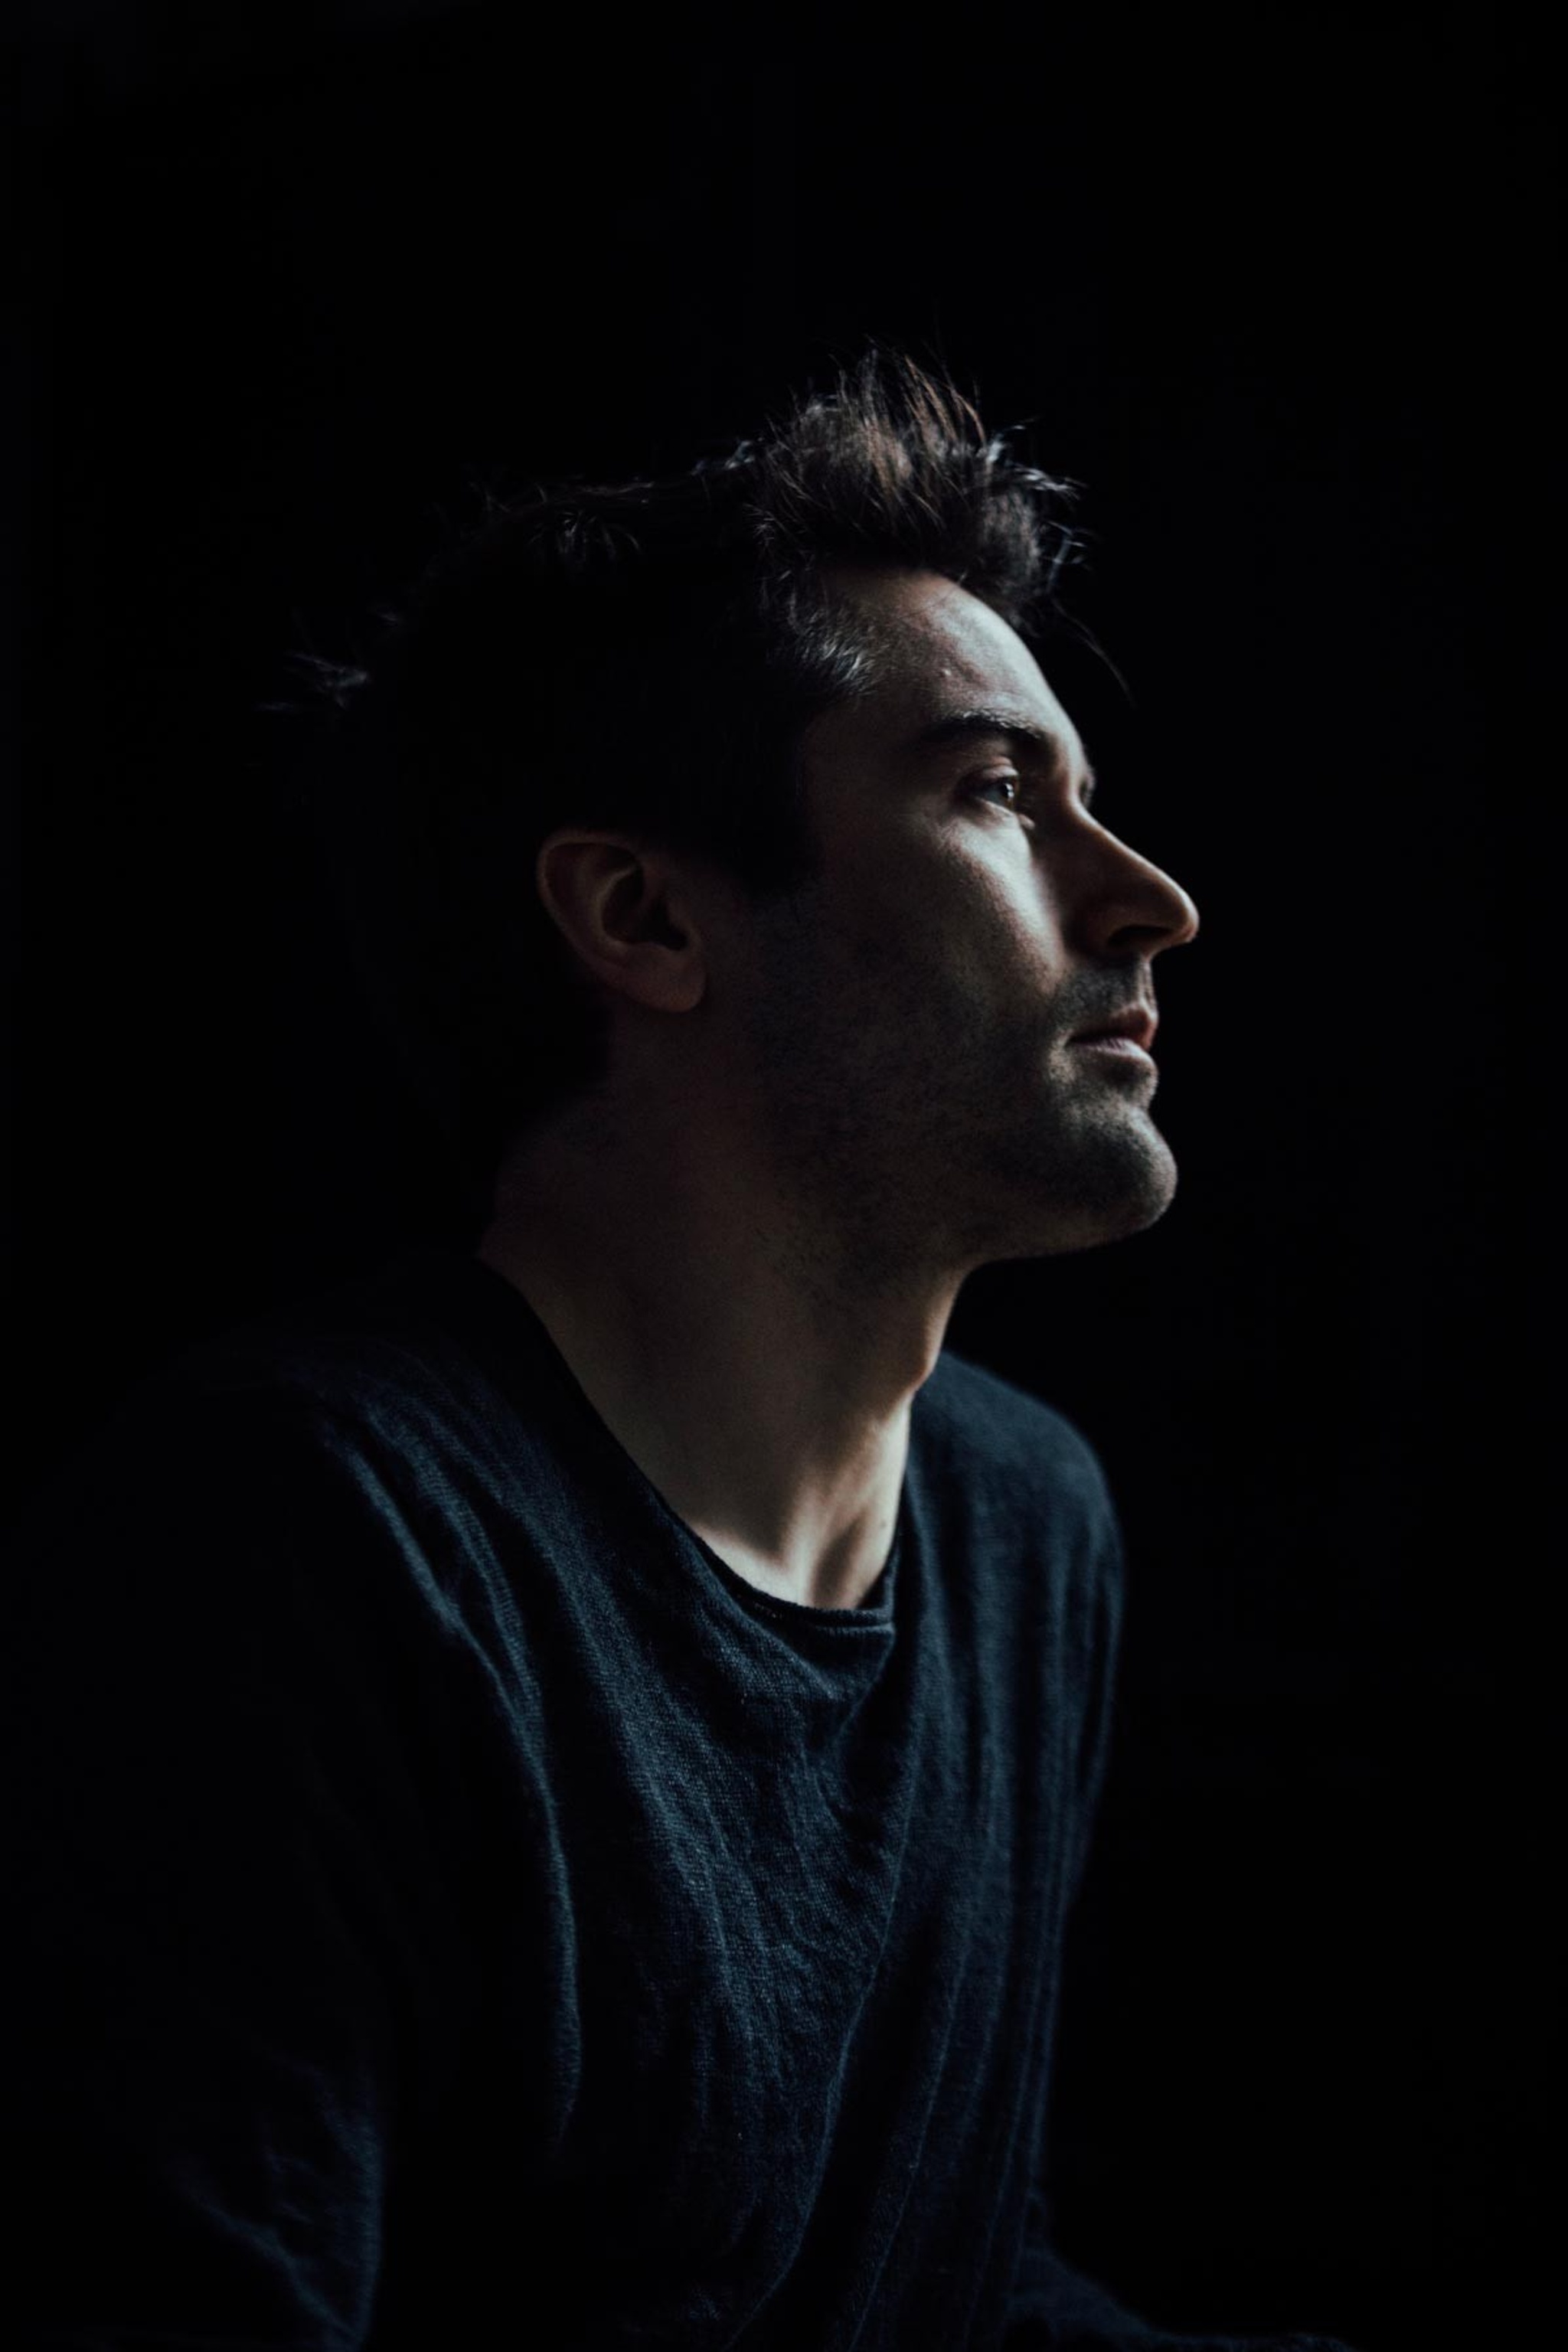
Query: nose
1124 892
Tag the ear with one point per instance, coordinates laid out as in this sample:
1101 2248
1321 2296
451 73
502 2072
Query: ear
626 911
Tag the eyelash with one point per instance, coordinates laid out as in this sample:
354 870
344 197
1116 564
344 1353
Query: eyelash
1027 795
1024 798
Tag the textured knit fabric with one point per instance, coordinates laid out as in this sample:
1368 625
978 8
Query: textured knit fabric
455 1909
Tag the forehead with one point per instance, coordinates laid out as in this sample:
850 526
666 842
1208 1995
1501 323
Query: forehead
938 649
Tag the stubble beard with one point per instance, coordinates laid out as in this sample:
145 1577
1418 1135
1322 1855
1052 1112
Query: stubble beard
934 1145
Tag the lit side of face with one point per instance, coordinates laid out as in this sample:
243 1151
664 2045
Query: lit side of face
915 1010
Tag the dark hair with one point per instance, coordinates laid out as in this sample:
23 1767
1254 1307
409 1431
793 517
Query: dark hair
643 656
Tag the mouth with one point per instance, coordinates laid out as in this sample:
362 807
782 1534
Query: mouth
1115 1049
1135 1025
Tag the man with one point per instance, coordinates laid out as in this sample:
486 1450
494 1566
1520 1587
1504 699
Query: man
559 1772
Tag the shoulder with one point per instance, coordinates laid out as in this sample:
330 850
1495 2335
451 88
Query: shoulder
376 1372
1002 1440
1020 1513
329 1412
345 1352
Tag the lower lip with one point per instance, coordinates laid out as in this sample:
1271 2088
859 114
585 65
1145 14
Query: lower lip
1120 1049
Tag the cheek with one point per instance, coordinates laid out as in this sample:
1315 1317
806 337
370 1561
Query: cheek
932 927
975 928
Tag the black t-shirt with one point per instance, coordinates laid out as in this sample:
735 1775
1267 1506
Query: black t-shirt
454 1908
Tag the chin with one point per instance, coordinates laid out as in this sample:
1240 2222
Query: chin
1108 1197
1090 1236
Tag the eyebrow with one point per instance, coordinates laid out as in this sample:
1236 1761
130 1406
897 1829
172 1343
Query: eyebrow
1024 735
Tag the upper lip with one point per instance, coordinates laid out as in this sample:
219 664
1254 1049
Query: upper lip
1136 1023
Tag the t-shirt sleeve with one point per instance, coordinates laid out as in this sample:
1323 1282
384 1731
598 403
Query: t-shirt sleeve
227 1938
1054 2307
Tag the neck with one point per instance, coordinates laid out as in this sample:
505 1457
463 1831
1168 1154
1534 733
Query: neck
756 1358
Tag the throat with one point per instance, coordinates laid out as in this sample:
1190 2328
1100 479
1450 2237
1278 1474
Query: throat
844 1580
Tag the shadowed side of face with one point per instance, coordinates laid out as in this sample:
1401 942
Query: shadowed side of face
908 1016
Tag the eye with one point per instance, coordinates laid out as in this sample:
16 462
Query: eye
1009 782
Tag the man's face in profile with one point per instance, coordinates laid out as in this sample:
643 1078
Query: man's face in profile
912 1013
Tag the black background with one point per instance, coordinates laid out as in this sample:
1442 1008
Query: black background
1275 286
